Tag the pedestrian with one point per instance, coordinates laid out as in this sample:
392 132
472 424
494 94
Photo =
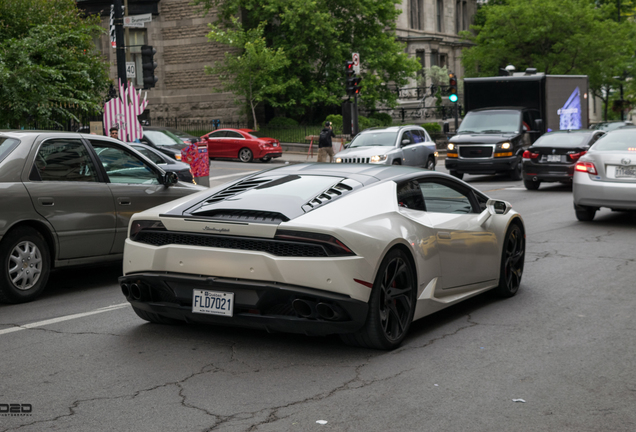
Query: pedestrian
324 143
114 132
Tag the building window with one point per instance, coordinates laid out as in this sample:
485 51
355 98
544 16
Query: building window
416 14
434 58
464 15
443 60
136 39
458 16
440 15
419 54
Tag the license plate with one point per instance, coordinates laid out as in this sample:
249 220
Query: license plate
554 158
212 302
626 171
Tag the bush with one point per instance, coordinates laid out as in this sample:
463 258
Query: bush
383 118
282 121
432 128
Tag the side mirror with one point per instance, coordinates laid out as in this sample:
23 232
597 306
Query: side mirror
406 142
538 125
498 207
446 128
347 145
169 179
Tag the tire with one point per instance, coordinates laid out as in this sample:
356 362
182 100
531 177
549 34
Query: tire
430 164
155 318
584 213
457 174
515 174
531 184
25 264
512 260
245 155
391 308
266 159
396 162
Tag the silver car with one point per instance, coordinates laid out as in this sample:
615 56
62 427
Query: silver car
67 199
606 175
396 145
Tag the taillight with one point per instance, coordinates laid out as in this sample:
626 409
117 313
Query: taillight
587 167
529 155
332 245
576 156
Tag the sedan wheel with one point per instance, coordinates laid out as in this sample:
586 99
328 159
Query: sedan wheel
25 265
245 155
391 305
430 164
584 213
512 260
531 184
266 159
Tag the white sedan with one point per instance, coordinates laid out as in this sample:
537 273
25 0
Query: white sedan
356 250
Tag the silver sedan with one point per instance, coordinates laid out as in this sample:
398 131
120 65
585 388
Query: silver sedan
606 175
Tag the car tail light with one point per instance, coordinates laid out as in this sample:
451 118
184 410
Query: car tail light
137 226
576 156
333 246
530 155
587 167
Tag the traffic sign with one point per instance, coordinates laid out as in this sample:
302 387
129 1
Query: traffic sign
356 62
130 70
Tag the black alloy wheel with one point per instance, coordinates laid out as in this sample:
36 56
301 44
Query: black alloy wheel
532 184
512 260
391 305
245 155
585 213
456 174
515 174
24 265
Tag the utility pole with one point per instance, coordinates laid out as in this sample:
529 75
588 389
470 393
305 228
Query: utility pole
120 43
618 3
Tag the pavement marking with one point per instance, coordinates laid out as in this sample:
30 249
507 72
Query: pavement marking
516 188
233 175
63 318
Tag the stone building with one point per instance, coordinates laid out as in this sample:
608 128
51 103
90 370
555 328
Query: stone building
178 33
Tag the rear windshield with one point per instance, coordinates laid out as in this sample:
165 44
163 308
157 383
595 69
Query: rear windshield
163 138
621 140
6 146
562 140
380 138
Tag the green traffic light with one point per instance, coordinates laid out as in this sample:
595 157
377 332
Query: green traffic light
453 98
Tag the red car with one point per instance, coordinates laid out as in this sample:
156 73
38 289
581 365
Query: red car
241 144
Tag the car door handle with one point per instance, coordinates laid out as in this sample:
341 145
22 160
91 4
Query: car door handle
123 201
46 201
444 235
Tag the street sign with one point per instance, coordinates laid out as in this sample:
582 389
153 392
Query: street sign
130 70
137 20
356 62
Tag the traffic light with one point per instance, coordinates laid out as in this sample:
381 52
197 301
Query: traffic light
452 87
352 82
148 66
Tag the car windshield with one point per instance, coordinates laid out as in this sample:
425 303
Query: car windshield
163 138
379 138
562 140
611 125
618 140
6 146
490 122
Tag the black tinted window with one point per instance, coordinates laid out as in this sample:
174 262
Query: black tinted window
409 195
65 160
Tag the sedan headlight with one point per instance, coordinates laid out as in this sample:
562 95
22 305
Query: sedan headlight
377 158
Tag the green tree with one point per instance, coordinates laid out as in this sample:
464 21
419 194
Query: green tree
555 36
49 68
317 37
252 70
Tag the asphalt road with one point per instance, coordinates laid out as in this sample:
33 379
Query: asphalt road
559 356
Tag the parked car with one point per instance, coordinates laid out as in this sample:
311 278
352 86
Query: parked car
183 136
356 250
610 126
67 199
164 141
395 145
241 144
606 175
168 164
553 156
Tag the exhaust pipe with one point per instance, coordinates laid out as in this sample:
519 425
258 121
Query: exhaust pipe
304 308
125 289
135 291
534 178
327 311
